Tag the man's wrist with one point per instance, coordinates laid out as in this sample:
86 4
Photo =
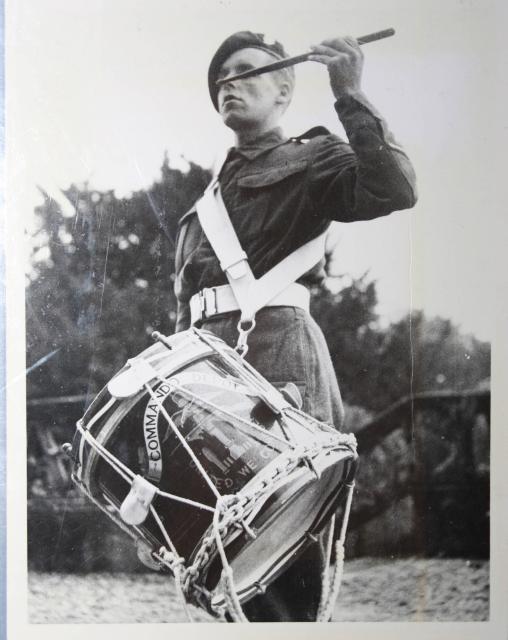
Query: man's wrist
353 101
355 110
352 92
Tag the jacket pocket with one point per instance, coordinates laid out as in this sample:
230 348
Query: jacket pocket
272 175
269 199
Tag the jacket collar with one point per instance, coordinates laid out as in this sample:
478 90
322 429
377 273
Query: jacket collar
259 145
250 151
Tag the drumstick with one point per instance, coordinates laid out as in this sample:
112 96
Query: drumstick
303 57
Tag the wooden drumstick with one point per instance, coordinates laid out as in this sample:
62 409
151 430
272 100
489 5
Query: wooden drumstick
303 57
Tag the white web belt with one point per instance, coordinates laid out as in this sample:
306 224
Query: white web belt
212 301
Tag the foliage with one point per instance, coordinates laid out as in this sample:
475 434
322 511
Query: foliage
418 354
105 281
376 366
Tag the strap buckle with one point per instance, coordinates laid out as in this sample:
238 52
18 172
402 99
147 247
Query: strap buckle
207 299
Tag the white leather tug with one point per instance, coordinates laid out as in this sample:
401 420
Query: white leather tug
134 509
251 294
212 301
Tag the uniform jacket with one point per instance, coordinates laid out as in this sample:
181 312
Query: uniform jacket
281 192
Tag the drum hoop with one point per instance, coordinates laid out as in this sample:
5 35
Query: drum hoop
93 454
171 366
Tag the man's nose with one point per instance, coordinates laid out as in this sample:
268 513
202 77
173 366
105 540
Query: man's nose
227 87
228 83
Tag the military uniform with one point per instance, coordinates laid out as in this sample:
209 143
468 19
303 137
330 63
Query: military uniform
280 193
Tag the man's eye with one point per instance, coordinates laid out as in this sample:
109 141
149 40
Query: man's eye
224 73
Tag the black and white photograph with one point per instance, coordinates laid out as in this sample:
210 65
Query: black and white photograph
255 318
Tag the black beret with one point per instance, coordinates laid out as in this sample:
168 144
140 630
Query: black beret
235 42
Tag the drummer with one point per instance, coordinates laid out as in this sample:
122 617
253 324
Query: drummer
280 193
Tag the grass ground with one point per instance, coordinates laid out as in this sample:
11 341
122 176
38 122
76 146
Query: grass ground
372 590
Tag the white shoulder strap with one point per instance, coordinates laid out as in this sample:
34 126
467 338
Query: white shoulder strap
251 294
217 226
290 269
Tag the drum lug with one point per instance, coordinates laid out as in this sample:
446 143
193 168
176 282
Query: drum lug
311 537
312 467
68 451
250 532
260 588
160 338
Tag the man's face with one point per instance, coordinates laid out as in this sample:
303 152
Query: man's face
253 101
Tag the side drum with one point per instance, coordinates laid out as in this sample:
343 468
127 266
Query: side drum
207 466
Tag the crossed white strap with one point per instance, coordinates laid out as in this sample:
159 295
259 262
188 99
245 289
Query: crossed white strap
251 294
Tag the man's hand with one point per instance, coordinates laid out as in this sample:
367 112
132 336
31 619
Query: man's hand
344 60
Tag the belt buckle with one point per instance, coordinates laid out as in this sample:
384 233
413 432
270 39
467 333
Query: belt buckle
208 302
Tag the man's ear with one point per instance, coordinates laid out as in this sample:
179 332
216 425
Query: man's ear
284 93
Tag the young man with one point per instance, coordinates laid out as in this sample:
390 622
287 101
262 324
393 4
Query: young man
281 193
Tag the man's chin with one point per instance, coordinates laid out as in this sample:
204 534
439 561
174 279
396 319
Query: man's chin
234 120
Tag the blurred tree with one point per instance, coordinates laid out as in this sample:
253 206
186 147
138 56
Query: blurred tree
350 325
376 367
102 280
419 354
